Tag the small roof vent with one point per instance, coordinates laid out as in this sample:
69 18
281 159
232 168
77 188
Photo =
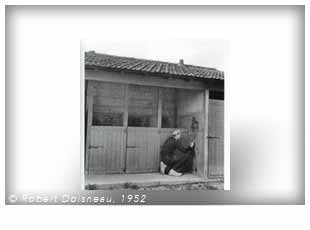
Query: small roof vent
181 62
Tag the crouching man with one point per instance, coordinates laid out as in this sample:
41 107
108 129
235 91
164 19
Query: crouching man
175 158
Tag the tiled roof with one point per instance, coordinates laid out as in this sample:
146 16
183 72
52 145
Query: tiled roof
112 62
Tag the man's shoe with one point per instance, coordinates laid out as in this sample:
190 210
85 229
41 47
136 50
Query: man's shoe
172 172
162 167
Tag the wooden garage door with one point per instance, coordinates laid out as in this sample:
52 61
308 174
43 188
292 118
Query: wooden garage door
216 138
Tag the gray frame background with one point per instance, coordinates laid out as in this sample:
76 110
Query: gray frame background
241 149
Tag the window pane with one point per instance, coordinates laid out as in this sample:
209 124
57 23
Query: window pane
216 95
108 119
142 106
108 105
168 119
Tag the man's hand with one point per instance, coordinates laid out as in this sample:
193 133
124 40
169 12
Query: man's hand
192 144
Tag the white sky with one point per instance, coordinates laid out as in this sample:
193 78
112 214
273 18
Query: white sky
209 53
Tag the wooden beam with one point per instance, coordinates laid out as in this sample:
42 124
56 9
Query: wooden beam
125 125
132 78
89 108
159 109
126 94
206 133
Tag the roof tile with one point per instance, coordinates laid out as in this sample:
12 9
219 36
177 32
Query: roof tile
149 66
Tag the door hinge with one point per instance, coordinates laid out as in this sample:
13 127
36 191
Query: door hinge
95 147
211 137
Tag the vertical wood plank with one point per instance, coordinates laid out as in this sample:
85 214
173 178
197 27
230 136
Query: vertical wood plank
156 142
159 110
206 131
125 123
159 124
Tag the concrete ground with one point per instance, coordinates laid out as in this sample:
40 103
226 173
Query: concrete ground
211 185
149 181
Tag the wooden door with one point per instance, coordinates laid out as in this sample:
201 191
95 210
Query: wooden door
142 149
106 133
107 150
216 138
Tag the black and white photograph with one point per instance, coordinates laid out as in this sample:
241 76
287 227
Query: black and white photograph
154 115
154 105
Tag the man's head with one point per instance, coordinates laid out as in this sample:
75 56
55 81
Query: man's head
176 134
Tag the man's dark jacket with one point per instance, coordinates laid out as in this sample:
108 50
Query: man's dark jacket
172 147
176 156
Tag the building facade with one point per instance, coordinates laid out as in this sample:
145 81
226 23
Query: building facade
133 105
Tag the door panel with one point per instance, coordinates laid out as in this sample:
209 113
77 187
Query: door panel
142 150
107 142
216 138
107 150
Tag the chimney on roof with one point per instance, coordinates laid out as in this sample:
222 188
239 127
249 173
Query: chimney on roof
181 62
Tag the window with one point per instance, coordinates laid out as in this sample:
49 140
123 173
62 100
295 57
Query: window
216 95
108 104
108 119
142 106
168 119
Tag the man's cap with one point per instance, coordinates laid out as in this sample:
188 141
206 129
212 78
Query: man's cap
176 132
